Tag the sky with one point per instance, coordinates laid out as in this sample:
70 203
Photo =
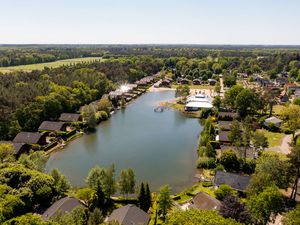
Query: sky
274 22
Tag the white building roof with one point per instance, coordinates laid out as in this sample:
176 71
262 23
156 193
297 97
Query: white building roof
200 105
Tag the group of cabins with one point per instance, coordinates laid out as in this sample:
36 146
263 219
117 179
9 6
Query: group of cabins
48 135
131 91
196 81
282 89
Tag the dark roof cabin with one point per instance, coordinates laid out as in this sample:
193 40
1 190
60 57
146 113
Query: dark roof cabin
30 138
184 81
240 152
52 126
70 117
228 115
19 148
205 201
64 205
129 215
236 181
165 83
196 82
224 125
223 137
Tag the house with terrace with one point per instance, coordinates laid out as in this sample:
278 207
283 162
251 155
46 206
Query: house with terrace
204 201
51 126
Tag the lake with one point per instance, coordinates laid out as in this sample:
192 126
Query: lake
159 146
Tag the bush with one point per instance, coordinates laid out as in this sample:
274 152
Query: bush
201 151
230 161
223 191
248 166
207 184
103 115
206 163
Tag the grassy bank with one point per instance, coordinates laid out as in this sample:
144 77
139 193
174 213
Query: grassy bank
180 107
40 66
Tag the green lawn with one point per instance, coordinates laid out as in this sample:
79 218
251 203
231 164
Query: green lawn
274 139
195 86
277 109
195 189
40 66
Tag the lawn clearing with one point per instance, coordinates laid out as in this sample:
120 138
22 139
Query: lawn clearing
274 138
41 66
277 109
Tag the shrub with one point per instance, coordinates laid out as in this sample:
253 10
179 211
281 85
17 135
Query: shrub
103 115
223 191
230 161
207 184
206 163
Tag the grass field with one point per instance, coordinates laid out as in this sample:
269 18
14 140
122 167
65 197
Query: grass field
274 139
40 66
277 109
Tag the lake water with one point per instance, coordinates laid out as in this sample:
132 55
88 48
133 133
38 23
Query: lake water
159 146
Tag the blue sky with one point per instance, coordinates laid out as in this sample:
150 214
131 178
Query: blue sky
151 21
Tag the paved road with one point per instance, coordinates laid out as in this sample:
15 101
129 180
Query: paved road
285 147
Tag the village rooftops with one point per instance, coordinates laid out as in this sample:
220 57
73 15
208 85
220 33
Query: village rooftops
224 125
52 126
229 115
18 147
205 201
236 181
223 136
28 138
64 205
70 117
129 215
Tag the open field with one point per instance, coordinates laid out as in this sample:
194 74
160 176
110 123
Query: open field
40 66
274 138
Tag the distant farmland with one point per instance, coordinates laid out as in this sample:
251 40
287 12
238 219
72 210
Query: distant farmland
40 66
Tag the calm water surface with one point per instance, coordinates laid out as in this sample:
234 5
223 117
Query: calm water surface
160 147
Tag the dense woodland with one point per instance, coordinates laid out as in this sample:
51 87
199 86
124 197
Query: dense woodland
28 98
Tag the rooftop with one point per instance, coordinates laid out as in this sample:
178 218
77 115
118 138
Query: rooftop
129 215
64 205
51 126
27 137
69 117
205 201
236 181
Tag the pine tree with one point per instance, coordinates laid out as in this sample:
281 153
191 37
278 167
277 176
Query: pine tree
148 196
142 198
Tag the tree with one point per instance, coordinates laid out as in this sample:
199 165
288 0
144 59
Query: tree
271 168
294 170
292 217
259 140
89 115
198 217
247 102
6 153
291 115
164 201
182 91
266 205
232 208
217 102
224 190
230 161
61 183
29 219
127 182
229 81
142 198
104 179
231 95
234 134
96 217
148 197
34 160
